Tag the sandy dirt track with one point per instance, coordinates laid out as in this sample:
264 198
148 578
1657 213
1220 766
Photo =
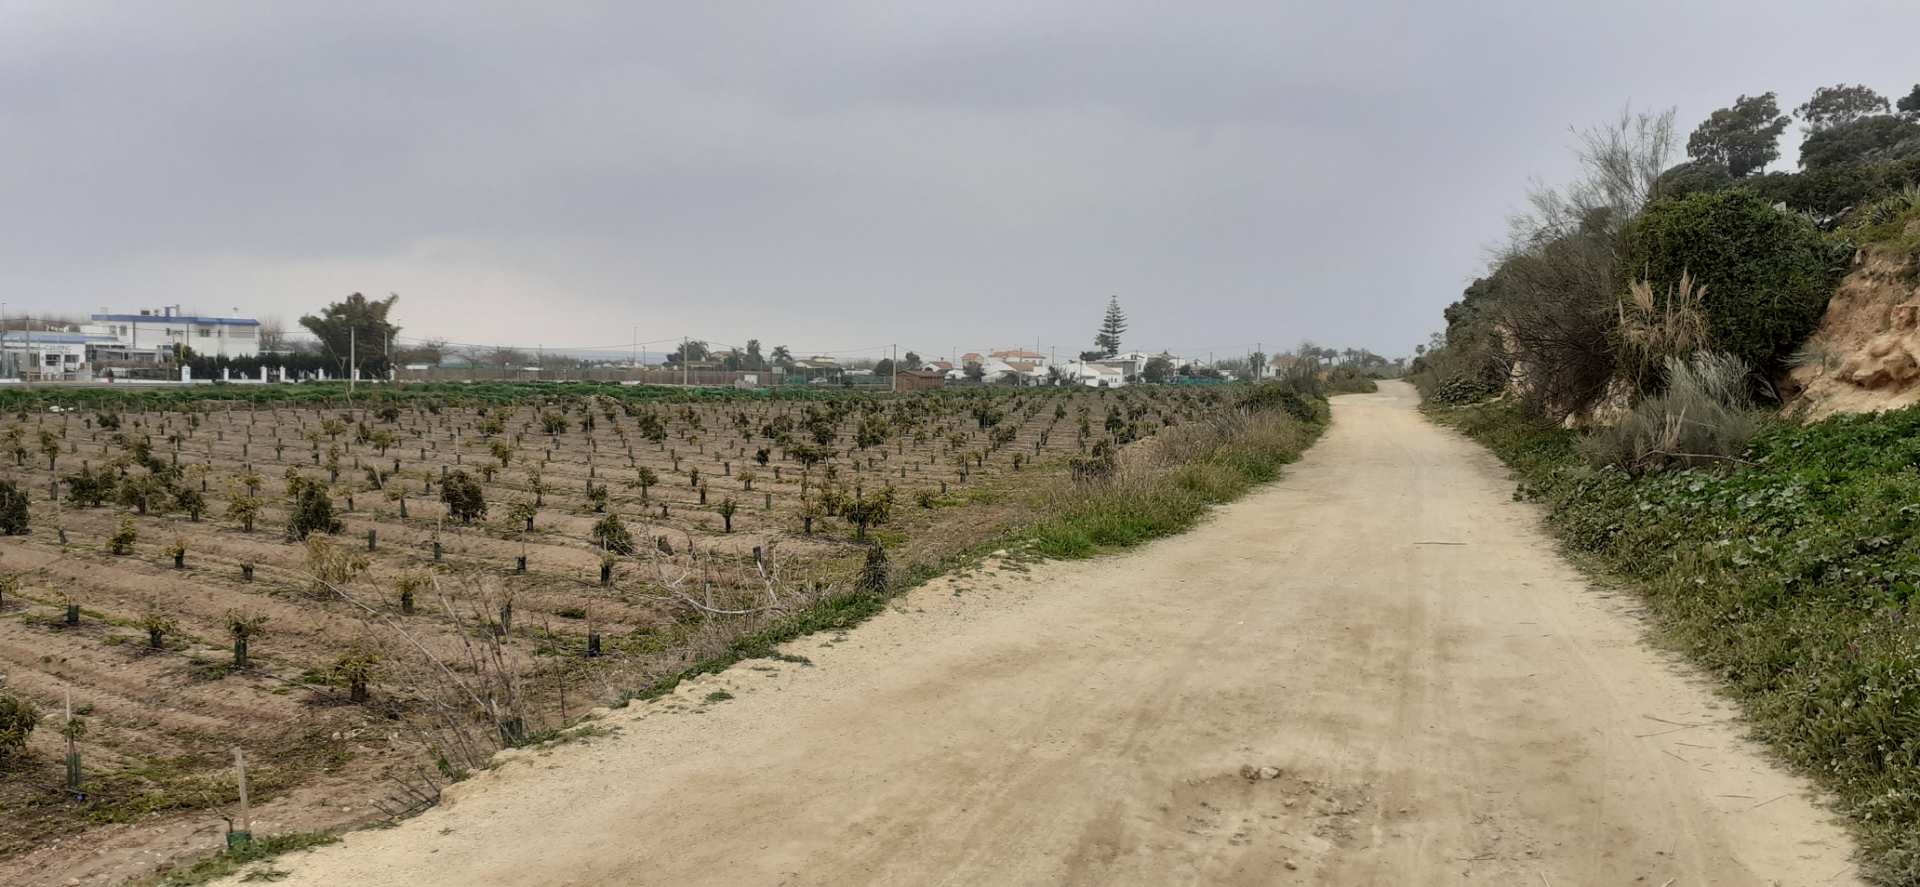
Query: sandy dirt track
1438 696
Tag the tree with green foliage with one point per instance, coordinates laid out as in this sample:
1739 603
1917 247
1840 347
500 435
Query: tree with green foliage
1768 273
463 497
18 717
358 327
356 670
157 626
1840 104
121 542
14 515
1863 140
611 534
312 510
243 506
50 448
1157 370
144 491
782 357
244 627
1692 177
863 509
1107 341
520 515
1744 138
690 351
1909 104
91 487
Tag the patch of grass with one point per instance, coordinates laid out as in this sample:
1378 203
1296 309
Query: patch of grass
1206 464
557 736
231 862
718 696
1791 578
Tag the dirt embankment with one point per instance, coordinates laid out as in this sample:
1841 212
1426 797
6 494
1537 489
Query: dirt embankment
1374 672
1865 355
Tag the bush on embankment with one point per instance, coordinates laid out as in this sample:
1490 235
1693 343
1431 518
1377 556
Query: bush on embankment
1791 575
1188 470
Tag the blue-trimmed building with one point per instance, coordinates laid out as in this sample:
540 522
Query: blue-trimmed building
157 331
50 356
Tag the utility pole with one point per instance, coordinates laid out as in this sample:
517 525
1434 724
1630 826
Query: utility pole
686 374
636 345
353 359
386 349
896 368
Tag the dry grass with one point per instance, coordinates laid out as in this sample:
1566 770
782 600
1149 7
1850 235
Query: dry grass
1652 329
1167 487
1704 416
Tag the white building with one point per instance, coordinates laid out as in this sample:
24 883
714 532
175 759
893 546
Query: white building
153 330
47 356
1095 374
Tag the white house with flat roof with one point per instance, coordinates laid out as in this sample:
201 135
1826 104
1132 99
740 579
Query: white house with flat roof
152 330
47 356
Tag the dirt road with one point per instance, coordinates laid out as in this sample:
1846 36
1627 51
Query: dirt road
1440 698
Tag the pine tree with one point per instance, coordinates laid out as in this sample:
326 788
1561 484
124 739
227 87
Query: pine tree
1107 340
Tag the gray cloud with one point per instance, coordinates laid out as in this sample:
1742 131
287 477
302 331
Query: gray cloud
837 175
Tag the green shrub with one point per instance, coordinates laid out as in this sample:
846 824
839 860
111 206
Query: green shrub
13 509
121 542
1302 405
91 487
611 535
312 512
1768 274
463 496
1832 190
1347 380
1885 220
1692 177
18 717
1463 390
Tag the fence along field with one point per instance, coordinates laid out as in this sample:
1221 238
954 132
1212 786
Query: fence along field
472 575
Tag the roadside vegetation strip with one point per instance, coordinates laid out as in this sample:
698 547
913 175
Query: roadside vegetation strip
213 868
1188 472
1190 469
1790 574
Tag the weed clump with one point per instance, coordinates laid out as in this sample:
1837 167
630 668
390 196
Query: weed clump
1703 416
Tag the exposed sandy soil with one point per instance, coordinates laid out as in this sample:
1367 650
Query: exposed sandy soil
1442 699
1865 355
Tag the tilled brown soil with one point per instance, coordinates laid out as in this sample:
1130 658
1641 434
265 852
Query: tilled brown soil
161 723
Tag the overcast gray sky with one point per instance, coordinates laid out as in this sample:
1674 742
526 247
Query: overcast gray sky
836 175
